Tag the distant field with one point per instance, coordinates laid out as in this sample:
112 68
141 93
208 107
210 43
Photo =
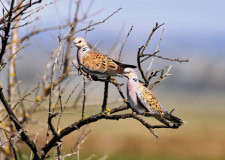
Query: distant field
203 138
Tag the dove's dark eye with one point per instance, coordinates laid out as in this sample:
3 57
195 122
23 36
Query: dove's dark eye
84 49
79 41
135 79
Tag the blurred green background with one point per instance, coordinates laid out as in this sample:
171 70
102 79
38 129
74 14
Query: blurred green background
194 30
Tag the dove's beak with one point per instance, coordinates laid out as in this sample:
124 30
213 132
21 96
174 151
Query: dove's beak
125 75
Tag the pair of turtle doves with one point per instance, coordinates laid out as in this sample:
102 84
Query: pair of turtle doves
140 98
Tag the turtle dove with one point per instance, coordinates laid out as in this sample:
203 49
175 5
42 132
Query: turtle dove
142 100
96 64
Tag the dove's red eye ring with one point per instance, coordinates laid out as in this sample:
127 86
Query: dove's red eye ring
79 41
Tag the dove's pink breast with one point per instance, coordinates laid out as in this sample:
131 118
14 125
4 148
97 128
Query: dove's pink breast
132 93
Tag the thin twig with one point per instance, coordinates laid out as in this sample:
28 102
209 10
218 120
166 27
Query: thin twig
51 127
164 75
85 37
70 38
150 36
156 51
141 53
97 23
83 136
139 65
75 87
26 37
18 126
51 88
115 83
164 58
6 31
23 98
13 148
124 42
84 98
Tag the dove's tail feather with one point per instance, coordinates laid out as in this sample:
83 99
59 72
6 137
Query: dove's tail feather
122 66
166 118
161 119
127 66
173 119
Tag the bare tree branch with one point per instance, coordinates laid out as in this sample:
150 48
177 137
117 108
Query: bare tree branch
106 92
97 23
150 36
19 6
125 40
84 98
95 118
164 58
18 126
6 31
52 78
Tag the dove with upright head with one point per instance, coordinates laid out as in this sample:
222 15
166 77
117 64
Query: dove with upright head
142 100
97 64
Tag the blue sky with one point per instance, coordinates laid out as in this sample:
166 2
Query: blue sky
199 15
192 24
194 29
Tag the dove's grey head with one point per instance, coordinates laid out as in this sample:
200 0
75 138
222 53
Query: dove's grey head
80 42
130 73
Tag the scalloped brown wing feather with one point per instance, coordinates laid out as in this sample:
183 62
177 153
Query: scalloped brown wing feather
153 104
150 99
96 61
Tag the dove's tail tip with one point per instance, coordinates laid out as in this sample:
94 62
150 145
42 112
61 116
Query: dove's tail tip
128 66
174 119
